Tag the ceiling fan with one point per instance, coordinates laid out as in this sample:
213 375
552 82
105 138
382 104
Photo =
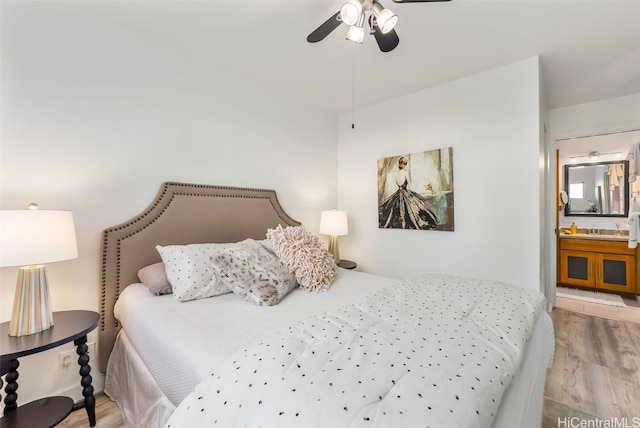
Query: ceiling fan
354 13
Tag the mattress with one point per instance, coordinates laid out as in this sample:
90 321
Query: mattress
161 351
226 324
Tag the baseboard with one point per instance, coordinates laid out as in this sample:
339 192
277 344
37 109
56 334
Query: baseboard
74 391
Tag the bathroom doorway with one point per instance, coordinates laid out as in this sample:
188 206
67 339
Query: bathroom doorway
602 149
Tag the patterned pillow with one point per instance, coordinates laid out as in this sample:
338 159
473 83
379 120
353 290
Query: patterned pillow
305 255
253 272
189 270
155 278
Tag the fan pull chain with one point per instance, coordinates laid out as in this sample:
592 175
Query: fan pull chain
353 85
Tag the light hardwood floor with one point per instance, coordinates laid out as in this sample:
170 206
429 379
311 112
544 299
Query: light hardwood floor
595 374
107 415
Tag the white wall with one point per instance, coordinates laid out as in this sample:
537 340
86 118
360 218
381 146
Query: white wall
601 117
95 118
492 122
547 203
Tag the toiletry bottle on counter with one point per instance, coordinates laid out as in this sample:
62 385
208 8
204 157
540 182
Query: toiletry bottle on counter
573 229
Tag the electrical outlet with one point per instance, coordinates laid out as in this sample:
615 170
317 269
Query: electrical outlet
70 358
67 358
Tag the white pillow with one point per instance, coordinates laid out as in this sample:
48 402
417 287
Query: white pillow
189 270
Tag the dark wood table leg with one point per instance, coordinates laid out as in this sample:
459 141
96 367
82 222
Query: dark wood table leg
10 400
85 371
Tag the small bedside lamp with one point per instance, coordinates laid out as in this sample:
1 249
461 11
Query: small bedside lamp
29 238
334 223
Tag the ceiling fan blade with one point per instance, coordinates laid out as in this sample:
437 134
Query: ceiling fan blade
418 1
386 42
323 30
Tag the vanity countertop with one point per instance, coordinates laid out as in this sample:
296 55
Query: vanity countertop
601 237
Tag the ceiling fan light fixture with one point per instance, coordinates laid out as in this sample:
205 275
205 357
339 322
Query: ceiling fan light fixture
351 11
385 18
387 21
355 34
381 22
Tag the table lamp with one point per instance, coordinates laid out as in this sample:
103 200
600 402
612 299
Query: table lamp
334 224
29 238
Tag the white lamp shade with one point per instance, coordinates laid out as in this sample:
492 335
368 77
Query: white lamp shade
31 237
351 11
355 34
385 18
334 223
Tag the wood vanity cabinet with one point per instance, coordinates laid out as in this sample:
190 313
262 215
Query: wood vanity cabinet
598 264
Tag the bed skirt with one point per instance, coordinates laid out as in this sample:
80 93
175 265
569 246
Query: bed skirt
129 383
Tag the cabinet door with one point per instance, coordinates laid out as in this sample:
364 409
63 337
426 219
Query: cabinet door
616 272
577 268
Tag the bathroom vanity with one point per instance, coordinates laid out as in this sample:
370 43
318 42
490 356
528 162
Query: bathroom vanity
601 262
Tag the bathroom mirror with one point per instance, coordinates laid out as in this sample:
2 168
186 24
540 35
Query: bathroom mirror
598 189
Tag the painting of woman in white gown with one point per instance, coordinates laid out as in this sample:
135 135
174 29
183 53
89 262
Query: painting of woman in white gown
415 191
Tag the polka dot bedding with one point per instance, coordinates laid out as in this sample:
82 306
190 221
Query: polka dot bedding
434 351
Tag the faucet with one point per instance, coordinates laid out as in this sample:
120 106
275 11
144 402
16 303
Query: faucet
594 231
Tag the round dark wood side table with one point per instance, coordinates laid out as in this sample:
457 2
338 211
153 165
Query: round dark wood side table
347 264
67 326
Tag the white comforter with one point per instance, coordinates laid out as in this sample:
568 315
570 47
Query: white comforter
434 351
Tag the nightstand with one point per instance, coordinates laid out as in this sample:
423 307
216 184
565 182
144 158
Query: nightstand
67 326
347 264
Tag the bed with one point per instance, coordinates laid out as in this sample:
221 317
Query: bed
435 350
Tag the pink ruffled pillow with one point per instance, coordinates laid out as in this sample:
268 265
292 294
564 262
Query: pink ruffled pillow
304 255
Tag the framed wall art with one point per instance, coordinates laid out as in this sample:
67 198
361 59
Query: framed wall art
415 191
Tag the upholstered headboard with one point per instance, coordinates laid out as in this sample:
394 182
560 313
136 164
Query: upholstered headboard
180 214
